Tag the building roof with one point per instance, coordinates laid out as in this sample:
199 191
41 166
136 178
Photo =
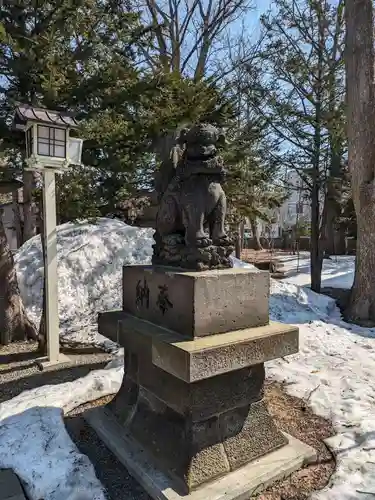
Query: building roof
25 113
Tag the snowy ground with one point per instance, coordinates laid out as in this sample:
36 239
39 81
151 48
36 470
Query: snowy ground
338 272
334 370
35 444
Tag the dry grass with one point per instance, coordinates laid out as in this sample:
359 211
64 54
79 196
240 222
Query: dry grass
256 256
292 416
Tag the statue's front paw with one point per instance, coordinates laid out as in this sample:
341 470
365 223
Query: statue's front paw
223 241
203 242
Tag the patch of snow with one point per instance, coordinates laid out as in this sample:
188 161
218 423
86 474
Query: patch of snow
338 271
241 263
291 303
90 259
334 372
35 444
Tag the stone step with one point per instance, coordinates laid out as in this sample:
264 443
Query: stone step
109 324
205 357
254 345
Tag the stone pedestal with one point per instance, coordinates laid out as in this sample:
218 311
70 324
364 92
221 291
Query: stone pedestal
192 394
196 304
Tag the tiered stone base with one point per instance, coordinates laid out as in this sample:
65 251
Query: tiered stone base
241 484
196 432
192 398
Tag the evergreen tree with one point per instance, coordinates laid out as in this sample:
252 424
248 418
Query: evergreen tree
75 56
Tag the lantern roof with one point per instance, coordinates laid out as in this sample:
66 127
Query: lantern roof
26 113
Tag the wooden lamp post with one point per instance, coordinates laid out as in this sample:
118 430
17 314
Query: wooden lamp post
49 150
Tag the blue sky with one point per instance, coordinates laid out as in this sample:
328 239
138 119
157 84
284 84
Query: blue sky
261 7
252 18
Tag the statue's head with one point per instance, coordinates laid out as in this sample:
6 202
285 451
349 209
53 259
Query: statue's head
201 140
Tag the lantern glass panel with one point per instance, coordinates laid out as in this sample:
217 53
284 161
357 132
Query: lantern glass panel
43 149
59 151
75 150
59 134
43 132
51 141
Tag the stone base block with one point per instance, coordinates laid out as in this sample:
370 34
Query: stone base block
195 452
196 406
193 360
195 432
197 304
241 484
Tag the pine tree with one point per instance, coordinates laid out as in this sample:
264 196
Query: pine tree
75 56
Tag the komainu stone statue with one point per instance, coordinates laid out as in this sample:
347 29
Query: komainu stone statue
190 230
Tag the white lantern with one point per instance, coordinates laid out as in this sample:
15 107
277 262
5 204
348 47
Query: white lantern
49 149
48 141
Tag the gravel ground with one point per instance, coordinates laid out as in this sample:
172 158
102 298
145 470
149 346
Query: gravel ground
293 415
20 372
118 483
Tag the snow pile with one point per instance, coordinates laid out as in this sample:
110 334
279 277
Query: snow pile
90 259
35 444
291 303
334 373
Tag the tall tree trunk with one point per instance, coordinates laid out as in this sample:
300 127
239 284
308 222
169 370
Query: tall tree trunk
359 62
237 245
328 229
316 251
316 246
316 254
340 241
29 220
335 182
333 210
17 218
239 239
255 231
242 231
14 323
